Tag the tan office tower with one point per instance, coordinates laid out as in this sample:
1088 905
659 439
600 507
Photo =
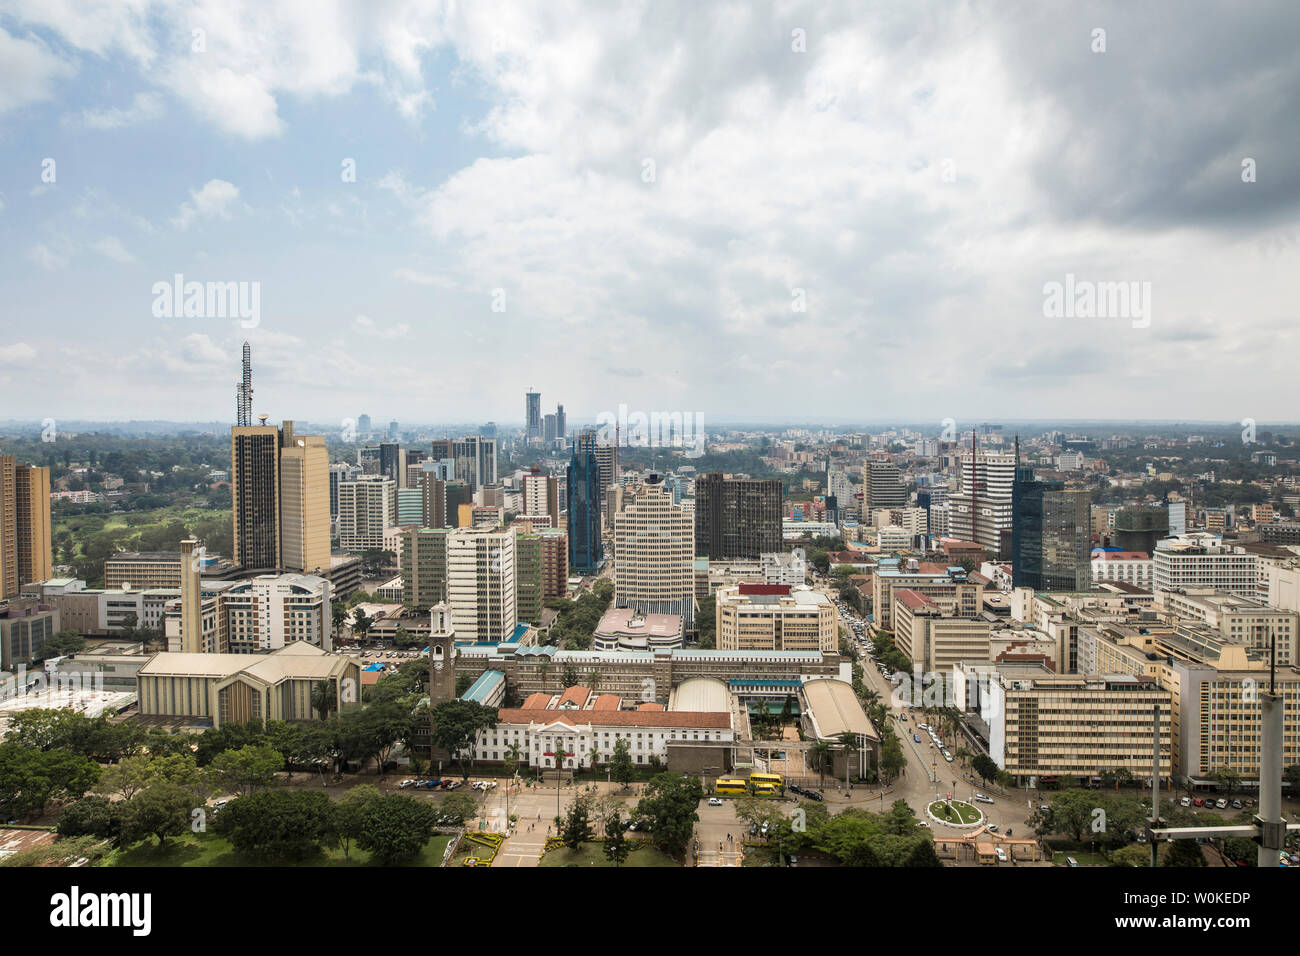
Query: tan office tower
255 495
541 495
191 599
25 536
433 501
304 502
654 555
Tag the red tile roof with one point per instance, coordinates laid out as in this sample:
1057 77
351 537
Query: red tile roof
616 718
607 702
575 695
537 701
913 599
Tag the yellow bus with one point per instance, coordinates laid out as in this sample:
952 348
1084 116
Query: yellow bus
765 788
774 779
725 785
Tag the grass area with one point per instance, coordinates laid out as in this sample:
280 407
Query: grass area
593 854
206 849
956 812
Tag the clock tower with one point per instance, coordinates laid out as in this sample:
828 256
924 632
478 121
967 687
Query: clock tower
442 655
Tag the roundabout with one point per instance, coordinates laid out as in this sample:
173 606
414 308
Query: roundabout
958 814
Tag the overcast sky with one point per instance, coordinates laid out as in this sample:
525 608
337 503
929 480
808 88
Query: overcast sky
648 195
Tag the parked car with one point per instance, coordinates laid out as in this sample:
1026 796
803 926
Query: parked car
813 795
1221 803
1236 805
1185 802
714 802
1198 802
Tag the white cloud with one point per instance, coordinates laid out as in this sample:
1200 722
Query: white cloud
19 353
111 247
28 71
365 325
144 107
48 258
213 199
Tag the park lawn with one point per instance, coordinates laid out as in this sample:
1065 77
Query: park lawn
206 849
964 811
593 854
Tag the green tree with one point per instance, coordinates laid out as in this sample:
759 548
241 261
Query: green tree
246 769
621 767
348 814
985 767
1183 853
162 809
90 816
460 806
576 827
456 726
396 828
821 755
30 778
671 806
324 700
617 846
279 825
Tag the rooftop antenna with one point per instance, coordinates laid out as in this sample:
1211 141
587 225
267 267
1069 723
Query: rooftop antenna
244 390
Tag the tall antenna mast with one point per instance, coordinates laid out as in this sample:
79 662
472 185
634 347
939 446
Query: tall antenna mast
244 391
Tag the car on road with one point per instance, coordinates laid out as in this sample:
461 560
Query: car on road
992 828
917 738
983 798
922 823
1044 808
1002 855
715 802
814 795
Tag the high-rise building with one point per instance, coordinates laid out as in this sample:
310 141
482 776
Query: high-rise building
607 461
424 566
981 511
433 501
304 502
561 423
1051 535
481 583
541 572
367 508
654 555
532 416
459 495
363 427
255 495
737 517
341 471
586 549
1138 529
541 496
474 459
884 488
392 463
25 535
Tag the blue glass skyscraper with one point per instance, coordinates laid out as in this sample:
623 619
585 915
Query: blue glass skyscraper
586 551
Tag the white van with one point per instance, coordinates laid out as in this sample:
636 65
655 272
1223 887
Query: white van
1002 855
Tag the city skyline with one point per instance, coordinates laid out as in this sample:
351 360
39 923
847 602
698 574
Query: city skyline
609 204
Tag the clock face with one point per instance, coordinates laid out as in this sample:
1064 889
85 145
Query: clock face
437 665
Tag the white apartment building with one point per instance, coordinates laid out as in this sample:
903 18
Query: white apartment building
481 583
790 568
1124 567
271 611
1284 587
367 508
1200 560
1256 625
